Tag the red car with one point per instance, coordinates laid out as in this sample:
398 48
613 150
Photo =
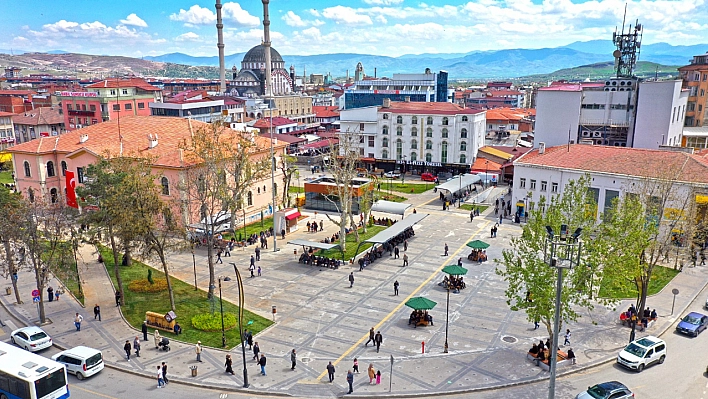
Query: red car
427 177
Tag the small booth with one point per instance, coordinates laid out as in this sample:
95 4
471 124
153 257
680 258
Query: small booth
159 321
286 219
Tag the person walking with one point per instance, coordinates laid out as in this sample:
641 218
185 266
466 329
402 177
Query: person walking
536 323
405 245
262 363
50 293
58 292
249 339
446 249
117 298
395 288
198 351
144 329
371 337
459 262
97 312
351 279
567 337
160 381
218 257
127 349
259 270
77 321
164 373
350 381
405 260
228 364
293 359
395 253
256 349
356 366
472 216
371 372
330 371
157 338
136 346
321 225
378 377
378 340
258 253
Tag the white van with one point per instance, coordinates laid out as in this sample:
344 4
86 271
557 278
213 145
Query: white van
642 353
81 361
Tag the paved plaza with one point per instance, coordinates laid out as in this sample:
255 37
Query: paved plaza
325 320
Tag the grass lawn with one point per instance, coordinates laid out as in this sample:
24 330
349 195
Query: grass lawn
6 177
384 195
469 207
64 268
408 188
659 278
187 301
253 228
352 244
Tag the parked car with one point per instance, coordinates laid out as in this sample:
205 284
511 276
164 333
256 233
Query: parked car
32 339
642 353
392 175
607 390
427 177
81 361
692 324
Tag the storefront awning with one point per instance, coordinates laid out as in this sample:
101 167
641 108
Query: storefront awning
293 215
390 207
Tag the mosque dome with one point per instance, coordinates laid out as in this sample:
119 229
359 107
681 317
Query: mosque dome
257 54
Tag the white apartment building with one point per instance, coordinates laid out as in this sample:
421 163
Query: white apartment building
620 112
423 136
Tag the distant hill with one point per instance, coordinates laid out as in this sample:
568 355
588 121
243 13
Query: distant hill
604 70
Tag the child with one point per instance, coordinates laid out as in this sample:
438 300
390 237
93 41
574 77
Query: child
356 365
378 377
259 271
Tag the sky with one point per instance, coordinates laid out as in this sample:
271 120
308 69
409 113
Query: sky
307 27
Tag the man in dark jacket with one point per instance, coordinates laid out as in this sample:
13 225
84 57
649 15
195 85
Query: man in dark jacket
164 372
378 340
330 371
350 381
144 329
351 279
371 337
262 363
127 349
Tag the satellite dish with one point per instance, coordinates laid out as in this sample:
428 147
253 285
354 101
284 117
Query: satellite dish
617 54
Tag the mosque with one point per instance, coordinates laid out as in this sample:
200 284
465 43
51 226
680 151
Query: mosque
250 80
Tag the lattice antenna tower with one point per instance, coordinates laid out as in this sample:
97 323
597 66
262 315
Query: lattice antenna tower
628 47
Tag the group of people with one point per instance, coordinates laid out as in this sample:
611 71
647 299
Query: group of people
478 255
321 261
418 315
332 240
631 316
453 283
382 221
541 352
313 227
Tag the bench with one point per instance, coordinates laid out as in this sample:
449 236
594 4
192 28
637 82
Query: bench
562 360
159 321
625 322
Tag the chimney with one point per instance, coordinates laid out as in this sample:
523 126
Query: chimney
374 72
387 103
83 138
541 148
407 99
153 141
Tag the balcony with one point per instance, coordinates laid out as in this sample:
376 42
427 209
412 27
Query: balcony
76 112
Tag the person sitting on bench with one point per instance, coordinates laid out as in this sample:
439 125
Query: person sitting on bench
178 329
541 357
534 350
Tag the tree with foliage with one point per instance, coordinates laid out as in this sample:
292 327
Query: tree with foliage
12 207
531 279
290 171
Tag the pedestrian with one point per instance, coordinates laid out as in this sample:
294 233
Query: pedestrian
472 216
703 259
571 356
97 312
258 253
536 323
405 245
567 337
371 372
309 227
321 225
330 371
228 364
157 338
262 363
198 351
350 381
144 329
293 359
371 337
136 346
164 373
227 250
160 381
351 279
378 340
282 234
395 288
500 219
127 349
218 257
446 249
459 262
252 267
249 339
50 293
405 260
259 270
117 298
256 349
378 377
77 321
58 292
395 253
356 366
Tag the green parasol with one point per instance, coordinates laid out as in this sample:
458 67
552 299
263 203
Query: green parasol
478 244
420 303
454 270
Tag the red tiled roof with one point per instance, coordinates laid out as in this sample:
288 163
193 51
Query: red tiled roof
16 92
481 164
39 116
286 138
509 114
130 82
3 113
433 108
502 92
327 111
320 144
265 123
621 160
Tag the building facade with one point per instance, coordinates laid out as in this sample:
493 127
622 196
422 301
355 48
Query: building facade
416 87
7 130
39 122
695 80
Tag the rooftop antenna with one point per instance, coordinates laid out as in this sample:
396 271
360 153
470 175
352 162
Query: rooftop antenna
628 47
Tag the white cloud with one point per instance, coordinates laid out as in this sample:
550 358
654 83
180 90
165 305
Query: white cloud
134 20
346 16
187 37
380 19
237 15
292 19
196 15
314 12
383 2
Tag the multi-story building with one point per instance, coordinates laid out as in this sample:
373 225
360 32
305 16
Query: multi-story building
416 87
695 79
295 107
423 136
495 98
17 101
196 104
621 112
108 100
7 136
39 122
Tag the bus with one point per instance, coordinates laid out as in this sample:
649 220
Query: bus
25 375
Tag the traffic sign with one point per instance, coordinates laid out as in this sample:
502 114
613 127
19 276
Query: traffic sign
35 293
35 299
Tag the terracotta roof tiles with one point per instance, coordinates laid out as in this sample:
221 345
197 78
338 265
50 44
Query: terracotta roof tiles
39 116
433 108
130 82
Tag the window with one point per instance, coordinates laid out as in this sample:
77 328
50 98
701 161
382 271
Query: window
128 106
443 156
522 183
385 116
414 120
429 120
165 186
429 145
414 156
54 194
414 131
399 131
428 157
463 158
63 168
444 121
92 108
361 127
68 107
399 119
361 139
80 175
50 169
444 133
141 105
371 141
125 92
116 107
249 199
113 92
399 149
28 172
463 146
464 118
384 154
544 185
385 129
429 132
554 187
384 142
414 144
463 133
533 184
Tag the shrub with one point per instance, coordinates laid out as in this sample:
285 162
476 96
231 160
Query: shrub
212 322
150 280
144 285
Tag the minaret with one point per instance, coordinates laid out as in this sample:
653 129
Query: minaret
266 43
220 45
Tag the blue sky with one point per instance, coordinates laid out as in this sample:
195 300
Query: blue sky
304 27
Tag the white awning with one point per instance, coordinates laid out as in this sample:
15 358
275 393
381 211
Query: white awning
396 208
454 185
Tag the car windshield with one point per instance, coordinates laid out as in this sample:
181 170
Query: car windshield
635 349
597 392
38 336
691 320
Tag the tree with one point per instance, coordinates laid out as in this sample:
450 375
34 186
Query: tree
530 279
12 207
343 173
290 172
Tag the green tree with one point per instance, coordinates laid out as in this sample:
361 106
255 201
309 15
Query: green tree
290 171
530 279
12 207
343 170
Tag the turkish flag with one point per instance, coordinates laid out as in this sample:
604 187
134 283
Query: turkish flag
70 190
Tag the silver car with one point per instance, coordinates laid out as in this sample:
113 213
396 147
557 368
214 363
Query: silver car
607 390
32 339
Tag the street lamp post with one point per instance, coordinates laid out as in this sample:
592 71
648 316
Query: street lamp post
194 263
563 250
221 306
486 173
240 323
447 317
403 170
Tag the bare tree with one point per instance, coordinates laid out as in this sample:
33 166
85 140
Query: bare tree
290 172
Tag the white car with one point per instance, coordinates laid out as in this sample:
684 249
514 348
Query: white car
392 175
81 361
642 353
32 339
